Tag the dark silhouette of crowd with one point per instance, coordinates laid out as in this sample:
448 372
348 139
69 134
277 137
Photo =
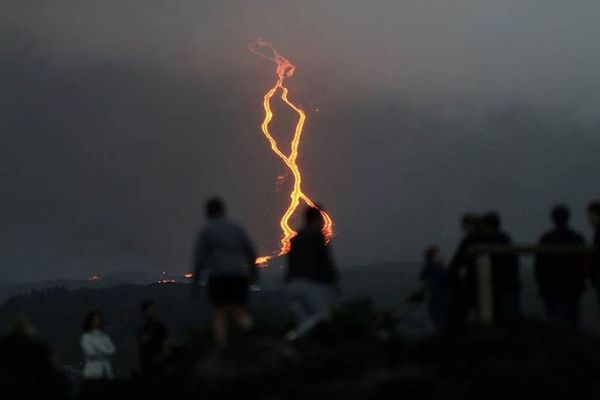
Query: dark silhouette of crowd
225 258
563 265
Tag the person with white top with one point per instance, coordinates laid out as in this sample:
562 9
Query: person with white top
97 348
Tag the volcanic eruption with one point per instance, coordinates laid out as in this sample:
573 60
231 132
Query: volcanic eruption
285 69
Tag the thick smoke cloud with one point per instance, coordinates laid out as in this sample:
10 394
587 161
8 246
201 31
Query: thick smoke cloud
118 121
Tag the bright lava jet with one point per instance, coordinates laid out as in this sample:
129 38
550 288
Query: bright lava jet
285 69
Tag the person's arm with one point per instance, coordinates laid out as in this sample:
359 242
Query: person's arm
88 347
327 263
460 256
97 346
250 255
289 257
106 346
200 253
584 260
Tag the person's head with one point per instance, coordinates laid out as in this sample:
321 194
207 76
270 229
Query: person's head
215 208
492 221
93 320
433 255
313 217
594 214
149 310
561 216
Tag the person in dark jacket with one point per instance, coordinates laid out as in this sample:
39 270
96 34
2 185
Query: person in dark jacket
594 219
225 250
505 272
27 370
560 277
486 230
311 275
152 342
462 266
439 284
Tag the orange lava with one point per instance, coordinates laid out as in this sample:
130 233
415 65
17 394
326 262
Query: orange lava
285 69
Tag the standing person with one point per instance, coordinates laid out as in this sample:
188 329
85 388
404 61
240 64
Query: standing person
560 277
224 249
505 272
439 282
26 366
486 230
594 219
470 224
97 348
152 342
311 275
464 268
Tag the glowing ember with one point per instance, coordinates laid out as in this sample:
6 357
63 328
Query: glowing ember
94 278
189 275
285 69
263 260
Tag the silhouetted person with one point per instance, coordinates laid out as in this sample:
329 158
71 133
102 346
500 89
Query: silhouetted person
440 283
505 272
311 275
594 219
152 342
481 231
463 266
97 348
471 226
560 277
26 367
224 249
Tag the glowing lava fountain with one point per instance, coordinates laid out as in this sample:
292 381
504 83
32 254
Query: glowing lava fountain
285 69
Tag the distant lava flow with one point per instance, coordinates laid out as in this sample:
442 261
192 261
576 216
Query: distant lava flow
285 69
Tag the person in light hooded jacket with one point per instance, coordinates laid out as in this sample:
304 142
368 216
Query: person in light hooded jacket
224 250
97 347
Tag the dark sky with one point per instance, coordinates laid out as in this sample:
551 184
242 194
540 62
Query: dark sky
117 121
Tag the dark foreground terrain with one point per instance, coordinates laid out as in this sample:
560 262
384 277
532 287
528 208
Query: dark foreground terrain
354 359
361 355
367 352
530 360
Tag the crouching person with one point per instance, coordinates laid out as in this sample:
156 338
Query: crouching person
311 275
